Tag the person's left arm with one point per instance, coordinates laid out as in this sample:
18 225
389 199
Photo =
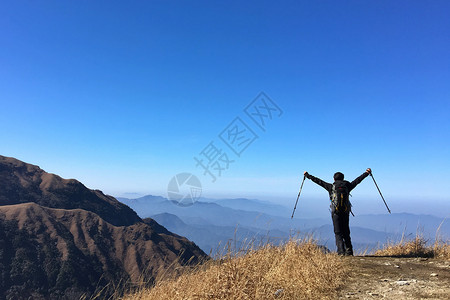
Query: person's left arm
360 178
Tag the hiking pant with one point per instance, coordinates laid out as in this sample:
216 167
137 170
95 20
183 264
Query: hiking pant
342 233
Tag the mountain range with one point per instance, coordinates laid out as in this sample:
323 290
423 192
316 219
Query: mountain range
61 240
214 223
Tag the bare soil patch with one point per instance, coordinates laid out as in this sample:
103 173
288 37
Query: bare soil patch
372 277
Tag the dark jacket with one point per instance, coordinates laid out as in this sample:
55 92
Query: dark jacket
329 186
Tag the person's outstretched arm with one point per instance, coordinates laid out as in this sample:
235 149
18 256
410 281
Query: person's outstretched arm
360 178
325 185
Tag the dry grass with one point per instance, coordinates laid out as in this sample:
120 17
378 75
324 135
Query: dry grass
296 270
442 250
413 248
416 248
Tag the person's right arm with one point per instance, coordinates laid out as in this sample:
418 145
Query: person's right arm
325 185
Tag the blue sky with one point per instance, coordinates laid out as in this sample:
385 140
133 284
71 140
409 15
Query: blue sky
122 96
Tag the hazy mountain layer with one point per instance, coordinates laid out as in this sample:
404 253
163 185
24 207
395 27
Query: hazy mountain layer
212 226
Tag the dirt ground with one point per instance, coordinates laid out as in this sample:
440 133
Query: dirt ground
396 278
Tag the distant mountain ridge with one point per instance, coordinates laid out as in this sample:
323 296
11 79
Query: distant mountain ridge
213 238
252 205
60 240
203 213
405 223
212 221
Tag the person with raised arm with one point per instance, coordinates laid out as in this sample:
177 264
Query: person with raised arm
339 192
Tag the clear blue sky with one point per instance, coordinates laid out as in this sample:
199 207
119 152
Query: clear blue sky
122 95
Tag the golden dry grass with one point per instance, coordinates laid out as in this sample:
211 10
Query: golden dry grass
416 248
442 250
296 270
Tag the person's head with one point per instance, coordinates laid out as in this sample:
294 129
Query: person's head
338 176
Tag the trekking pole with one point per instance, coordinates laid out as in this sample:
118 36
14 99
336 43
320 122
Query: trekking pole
298 196
380 192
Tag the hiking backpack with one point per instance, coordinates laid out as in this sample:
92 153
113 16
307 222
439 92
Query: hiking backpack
340 197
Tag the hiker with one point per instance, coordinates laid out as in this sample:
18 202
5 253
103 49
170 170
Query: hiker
340 207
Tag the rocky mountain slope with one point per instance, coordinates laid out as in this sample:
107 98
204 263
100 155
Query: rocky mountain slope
60 240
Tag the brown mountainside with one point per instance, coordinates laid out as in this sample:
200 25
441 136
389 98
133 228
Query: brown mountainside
60 240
